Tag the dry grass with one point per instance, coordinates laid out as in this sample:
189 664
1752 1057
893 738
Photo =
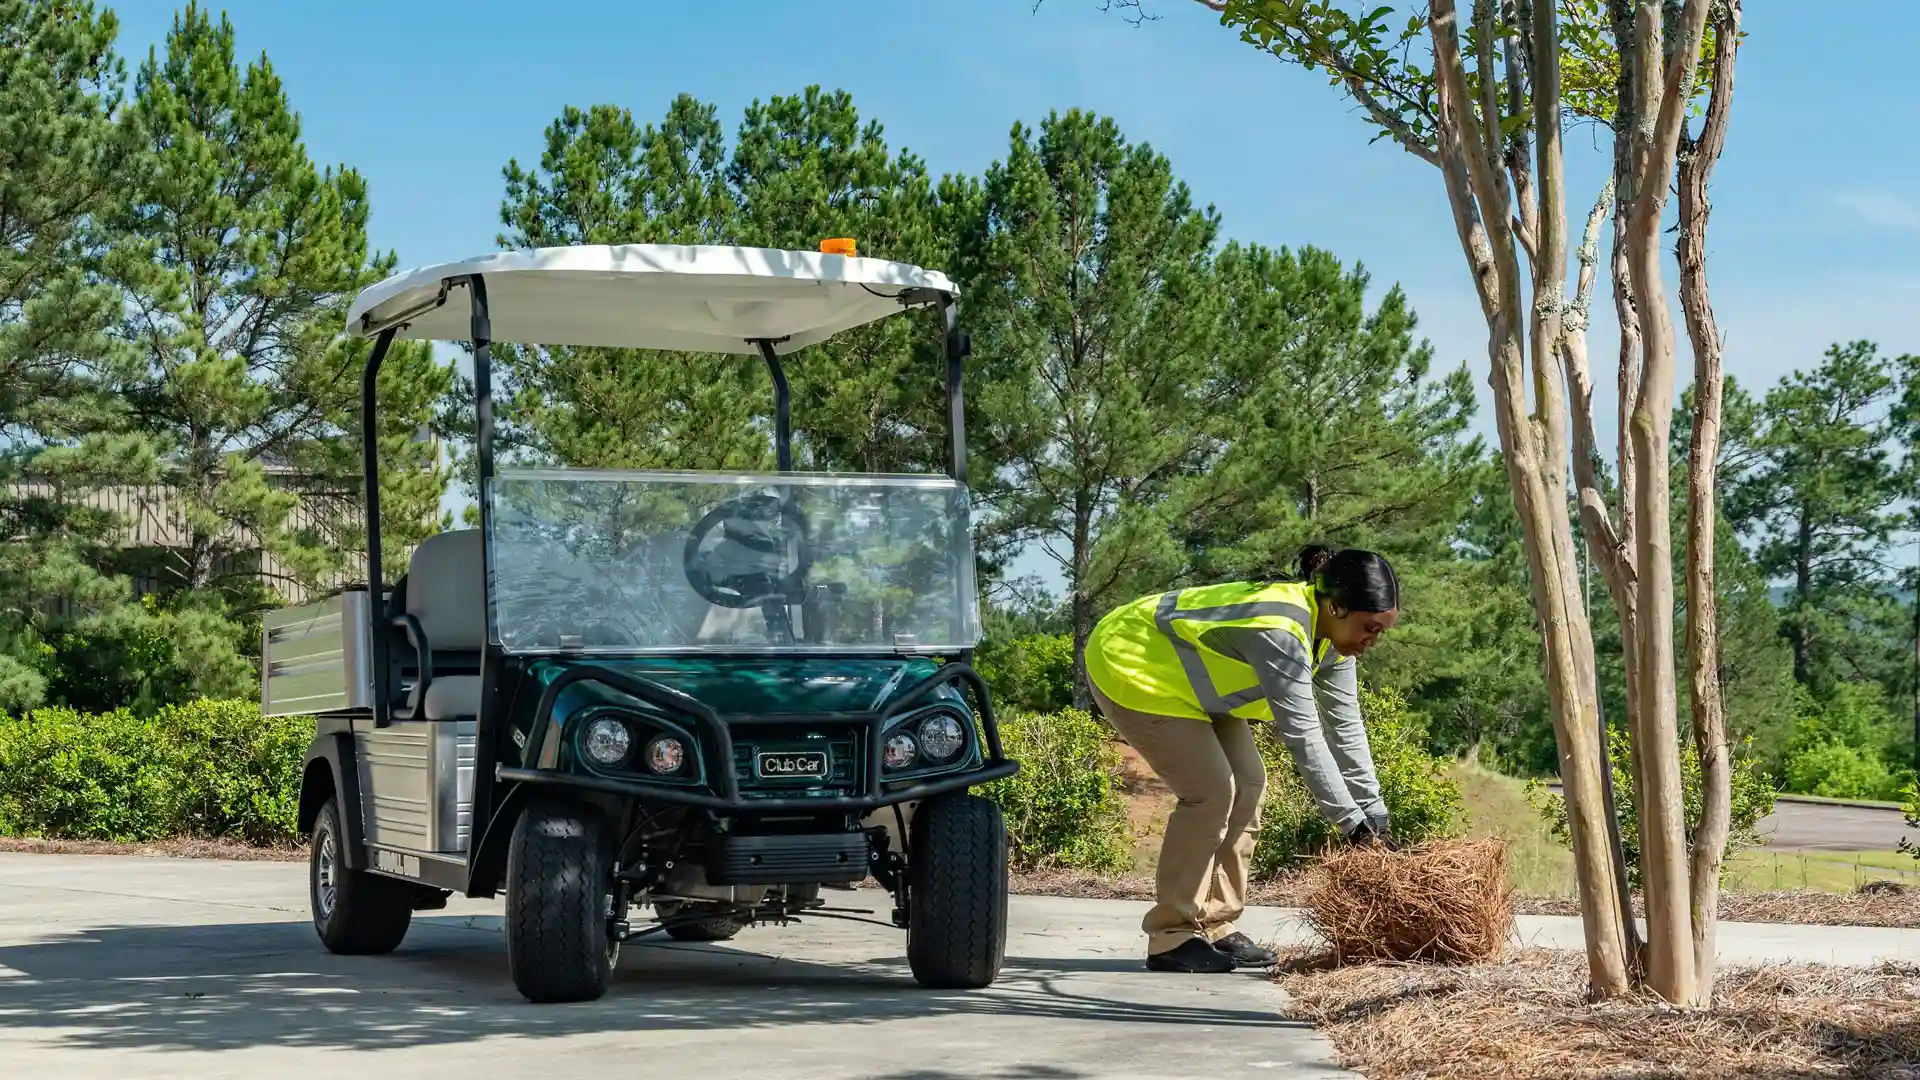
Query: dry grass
1528 1018
188 848
1448 901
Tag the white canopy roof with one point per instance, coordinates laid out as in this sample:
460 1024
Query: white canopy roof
682 297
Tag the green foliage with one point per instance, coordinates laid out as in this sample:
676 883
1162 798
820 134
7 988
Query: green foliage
1848 743
1423 803
207 769
1063 808
1753 799
65 424
1032 673
149 655
1814 483
1839 771
239 257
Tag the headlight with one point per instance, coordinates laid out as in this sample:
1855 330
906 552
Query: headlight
607 741
941 736
666 754
900 751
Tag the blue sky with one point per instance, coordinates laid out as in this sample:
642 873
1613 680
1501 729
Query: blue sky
1817 200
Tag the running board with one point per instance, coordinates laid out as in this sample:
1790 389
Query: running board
440 871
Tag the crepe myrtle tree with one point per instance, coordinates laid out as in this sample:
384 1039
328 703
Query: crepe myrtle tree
1483 96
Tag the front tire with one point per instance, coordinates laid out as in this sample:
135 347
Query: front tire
957 893
560 945
355 912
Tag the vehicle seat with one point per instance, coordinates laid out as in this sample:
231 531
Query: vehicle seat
446 592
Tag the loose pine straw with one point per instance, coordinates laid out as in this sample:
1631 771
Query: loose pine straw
1448 902
1528 1018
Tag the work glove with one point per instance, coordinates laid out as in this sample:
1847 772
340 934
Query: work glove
1372 833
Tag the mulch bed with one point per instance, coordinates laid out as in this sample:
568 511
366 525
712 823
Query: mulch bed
188 848
1528 1017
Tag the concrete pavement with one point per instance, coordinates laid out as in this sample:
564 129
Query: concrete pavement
1809 826
118 966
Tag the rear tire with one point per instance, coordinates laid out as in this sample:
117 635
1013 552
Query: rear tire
957 893
355 912
559 894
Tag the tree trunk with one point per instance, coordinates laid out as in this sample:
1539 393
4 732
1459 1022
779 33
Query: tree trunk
1703 633
1477 194
1082 603
1802 636
1603 538
1670 955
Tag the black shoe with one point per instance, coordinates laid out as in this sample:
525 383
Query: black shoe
1191 957
1244 952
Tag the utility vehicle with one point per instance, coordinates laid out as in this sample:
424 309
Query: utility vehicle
641 702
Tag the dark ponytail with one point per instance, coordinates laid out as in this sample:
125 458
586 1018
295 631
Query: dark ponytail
1351 578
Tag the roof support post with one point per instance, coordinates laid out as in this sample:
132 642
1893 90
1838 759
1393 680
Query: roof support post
370 478
782 406
957 349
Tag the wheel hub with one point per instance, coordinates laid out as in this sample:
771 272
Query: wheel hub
323 880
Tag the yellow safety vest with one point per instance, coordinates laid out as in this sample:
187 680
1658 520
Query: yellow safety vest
1149 656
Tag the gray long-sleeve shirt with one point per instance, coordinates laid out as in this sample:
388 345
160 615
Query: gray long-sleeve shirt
1316 712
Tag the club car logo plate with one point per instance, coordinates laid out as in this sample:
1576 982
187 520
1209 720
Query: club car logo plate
792 765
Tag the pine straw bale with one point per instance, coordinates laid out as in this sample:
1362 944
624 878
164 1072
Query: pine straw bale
1448 901
1528 1018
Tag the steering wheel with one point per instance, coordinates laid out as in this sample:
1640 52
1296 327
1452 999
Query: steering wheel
753 581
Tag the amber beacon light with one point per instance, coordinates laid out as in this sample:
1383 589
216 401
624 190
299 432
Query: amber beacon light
839 245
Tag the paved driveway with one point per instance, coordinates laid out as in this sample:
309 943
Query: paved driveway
125 966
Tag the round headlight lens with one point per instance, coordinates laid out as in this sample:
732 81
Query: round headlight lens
607 741
941 736
900 751
666 754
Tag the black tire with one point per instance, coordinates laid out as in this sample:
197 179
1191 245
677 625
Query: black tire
559 887
355 912
957 893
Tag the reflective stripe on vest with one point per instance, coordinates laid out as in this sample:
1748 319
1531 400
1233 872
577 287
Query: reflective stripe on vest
1192 659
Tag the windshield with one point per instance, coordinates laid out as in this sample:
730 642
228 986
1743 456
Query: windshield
640 562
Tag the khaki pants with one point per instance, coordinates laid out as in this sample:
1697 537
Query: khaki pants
1215 770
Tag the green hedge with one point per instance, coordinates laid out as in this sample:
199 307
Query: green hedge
206 769
1423 802
1063 808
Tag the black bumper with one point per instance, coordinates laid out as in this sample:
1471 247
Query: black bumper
718 737
825 804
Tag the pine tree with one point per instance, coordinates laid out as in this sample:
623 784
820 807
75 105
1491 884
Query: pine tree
1822 500
604 179
239 257
63 429
1093 322
804 168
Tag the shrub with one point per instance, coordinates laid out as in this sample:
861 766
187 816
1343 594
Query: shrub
1753 799
1063 807
1839 770
73 775
208 768
1033 672
1424 803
